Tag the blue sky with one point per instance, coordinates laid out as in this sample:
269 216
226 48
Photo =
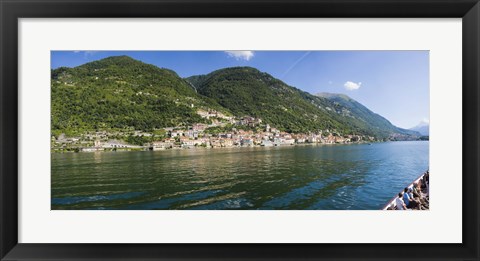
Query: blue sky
394 84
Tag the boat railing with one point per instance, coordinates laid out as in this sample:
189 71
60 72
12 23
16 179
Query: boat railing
391 202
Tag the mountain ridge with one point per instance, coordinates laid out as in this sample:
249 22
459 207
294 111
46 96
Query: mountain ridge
121 92
365 113
359 121
423 128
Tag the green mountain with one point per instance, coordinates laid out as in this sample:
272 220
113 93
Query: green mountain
350 108
120 92
247 91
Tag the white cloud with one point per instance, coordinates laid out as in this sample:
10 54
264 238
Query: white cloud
90 52
352 85
425 120
241 55
86 53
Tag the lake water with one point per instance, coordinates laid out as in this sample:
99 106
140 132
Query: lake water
357 176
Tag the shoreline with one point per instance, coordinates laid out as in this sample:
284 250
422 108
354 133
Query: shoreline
148 148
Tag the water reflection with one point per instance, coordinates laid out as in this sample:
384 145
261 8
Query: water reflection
297 177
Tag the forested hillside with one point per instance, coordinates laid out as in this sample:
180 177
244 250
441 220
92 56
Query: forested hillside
123 93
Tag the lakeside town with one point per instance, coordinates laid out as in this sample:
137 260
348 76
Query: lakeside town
223 132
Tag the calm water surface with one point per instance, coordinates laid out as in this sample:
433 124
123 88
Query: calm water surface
358 176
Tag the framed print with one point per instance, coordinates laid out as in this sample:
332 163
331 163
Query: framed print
253 130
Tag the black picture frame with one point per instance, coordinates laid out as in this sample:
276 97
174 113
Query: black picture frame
11 11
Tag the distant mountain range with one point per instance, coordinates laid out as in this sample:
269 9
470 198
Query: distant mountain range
423 128
120 92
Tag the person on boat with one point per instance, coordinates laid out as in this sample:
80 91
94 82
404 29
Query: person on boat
417 200
425 177
427 180
409 201
399 202
428 189
417 193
